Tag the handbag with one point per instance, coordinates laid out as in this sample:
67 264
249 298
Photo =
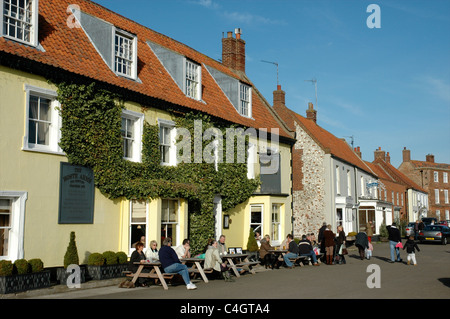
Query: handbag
399 245
344 250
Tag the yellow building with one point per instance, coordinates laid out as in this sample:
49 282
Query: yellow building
160 80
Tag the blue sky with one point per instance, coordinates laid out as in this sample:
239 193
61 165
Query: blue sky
387 87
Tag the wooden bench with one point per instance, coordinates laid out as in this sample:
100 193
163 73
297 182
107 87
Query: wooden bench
249 263
298 260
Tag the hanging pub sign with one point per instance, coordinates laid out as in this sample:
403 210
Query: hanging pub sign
76 194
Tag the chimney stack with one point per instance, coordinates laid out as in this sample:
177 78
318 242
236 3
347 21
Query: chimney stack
311 113
388 158
406 155
358 151
430 158
233 51
380 154
279 98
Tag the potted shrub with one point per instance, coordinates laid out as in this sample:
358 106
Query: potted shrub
23 275
383 233
107 265
70 258
252 246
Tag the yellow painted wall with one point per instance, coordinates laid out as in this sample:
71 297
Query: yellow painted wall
38 173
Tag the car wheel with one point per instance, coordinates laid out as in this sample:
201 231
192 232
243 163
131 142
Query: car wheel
444 241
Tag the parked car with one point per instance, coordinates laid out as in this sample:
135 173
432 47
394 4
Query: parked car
435 233
428 220
410 229
445 223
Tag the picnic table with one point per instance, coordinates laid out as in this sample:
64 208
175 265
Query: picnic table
241 261
155 273
197 267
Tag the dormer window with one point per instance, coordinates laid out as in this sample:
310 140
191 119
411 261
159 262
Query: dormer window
193 80
245 100
125 54
19 20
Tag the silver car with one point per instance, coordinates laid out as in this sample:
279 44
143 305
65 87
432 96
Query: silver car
434 233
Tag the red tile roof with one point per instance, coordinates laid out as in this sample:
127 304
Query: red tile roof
396 175
71 50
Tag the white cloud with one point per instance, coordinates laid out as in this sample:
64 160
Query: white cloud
438 88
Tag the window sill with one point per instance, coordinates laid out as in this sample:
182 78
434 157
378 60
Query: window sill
43 150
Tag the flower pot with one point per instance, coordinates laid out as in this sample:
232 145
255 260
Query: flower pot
19 283
106 271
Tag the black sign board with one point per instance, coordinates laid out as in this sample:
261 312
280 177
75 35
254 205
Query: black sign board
76 195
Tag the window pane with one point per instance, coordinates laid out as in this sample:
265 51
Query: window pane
5 225
32 132
33 107
256 218
138 211
43 133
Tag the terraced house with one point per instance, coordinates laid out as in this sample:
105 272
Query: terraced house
331 183
93 108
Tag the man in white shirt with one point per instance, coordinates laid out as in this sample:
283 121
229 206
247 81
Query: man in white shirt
183 250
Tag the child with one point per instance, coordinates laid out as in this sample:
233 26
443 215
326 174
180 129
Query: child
369 251
410 246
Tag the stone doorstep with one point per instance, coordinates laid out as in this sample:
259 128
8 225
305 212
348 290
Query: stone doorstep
57 288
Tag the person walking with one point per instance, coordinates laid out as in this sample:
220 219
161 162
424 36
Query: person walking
329 239
362 242
340 243
394 238
411 246
369 231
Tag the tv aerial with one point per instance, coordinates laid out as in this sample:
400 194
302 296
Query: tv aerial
314 81
275 63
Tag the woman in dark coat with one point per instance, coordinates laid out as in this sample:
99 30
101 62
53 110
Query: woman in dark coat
329 237
362 242
138 256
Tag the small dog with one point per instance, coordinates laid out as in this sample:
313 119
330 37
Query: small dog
127 284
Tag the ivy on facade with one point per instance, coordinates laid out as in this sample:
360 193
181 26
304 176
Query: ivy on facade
90 136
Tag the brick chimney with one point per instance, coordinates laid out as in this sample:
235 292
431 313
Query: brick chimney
380 154
430 158
358 151
311 113
279 98
233 51
406 155
388 158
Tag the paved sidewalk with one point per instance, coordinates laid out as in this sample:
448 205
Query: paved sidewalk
430 279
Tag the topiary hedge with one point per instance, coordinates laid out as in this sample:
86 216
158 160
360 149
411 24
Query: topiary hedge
122 258
96 259
36 265
6 268
110 257
21 266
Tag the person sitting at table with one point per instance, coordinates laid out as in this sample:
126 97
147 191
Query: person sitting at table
214 261
222 247
138 256
183 249
171 264
305 249
152 252
266 258
292 251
